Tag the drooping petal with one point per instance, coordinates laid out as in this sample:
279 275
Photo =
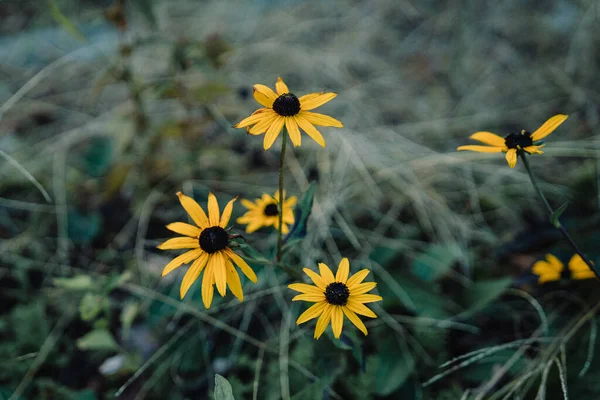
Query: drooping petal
227 213
363 288
273 131
312 312
182 259
320 119
179 243
548 127
233 281
343 270
255 118
323 321
304 288
281 87
365 298
293 131
266 91
511 157
310 130
357 278
326 273
360 309
316 278
534 149
310 102
489 138
337 321
239 261
192 274
480 149
264 124
194 210
184 229
310 297
208 288
355 320
217 261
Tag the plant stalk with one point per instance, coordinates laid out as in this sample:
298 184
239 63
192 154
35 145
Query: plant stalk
280 203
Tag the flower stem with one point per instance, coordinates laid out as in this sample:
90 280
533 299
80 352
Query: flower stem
550 210
280 203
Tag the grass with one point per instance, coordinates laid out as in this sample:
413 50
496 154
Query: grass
450 237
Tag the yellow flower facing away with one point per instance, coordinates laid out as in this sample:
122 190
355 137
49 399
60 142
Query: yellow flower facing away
579 269
264 212
208 242
334 297
551 269
285 109
512 143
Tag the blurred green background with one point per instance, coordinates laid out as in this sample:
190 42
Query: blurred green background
108 108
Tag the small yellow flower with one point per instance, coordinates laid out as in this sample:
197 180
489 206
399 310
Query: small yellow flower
284 108
579 269
513 142
335 297
549 269
265 212
209 242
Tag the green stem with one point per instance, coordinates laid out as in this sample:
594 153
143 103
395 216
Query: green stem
281 163
550 210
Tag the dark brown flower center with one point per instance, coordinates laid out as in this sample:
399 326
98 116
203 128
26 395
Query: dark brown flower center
337 293
286 105
518 140
271 210
213 239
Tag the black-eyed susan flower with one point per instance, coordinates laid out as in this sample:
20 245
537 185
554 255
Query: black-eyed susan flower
548 270
285 109
264 212
513 143
579 269
334 297
210 251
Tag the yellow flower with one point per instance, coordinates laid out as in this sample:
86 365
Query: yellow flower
512 143
209 242
265 212
284 108
548 270
579 269
335 297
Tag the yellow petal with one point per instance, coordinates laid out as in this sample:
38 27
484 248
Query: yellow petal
304 288
248 204
182 259
263 99
293 131
355 320
337 321
312 312
208 288
281 87
343 271
534 149
320 119
360 309
192 274
213 210
219 269
310 130
323 320
556 264
264 124
309 103
255 118
310 96
233 281
548 277
481 149
310 297
366 298
489 138
511 157
179 243
194 210
184 229
363 288
227 213
548 127
241 264
290 202
266 91
326 273
357 278
273 132
316 278
579 269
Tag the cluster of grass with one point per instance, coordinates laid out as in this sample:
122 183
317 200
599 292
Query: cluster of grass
97 136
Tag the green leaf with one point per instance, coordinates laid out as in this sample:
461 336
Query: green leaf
65 22
78 282
481 293
99 339
556 215
313 391
394 367
301 213
91 305
222 389
435 262
130 311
